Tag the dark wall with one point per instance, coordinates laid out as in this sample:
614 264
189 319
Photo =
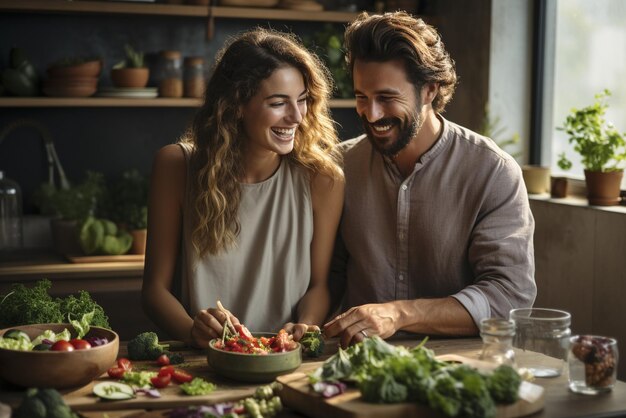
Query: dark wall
111 140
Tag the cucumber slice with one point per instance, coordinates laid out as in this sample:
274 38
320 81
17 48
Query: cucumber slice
113 391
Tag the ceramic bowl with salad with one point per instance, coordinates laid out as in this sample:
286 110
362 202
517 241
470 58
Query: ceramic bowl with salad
56 355
260 357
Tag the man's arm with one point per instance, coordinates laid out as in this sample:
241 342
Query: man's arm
443 316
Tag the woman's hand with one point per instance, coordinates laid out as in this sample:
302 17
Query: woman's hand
298 330
208 324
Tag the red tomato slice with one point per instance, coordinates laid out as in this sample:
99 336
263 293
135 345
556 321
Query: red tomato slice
166 371
181 376
125 364
79 344
62 345
163 360
160 381
244 332
116 372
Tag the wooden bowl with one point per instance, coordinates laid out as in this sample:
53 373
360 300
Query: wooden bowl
69 91
85 69
130 77
71 82
253 367
57 369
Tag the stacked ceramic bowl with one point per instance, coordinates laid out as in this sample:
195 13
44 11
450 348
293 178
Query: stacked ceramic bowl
74 80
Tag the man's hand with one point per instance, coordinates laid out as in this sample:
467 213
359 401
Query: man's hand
298 330
364 321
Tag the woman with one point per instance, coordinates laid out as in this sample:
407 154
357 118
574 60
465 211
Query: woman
249 200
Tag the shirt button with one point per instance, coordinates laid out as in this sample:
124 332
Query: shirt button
400 277
404 187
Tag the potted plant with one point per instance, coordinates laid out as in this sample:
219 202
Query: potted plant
602 149
128 207
70 207
131 72
559 186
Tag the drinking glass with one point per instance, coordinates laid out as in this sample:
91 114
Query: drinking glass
544 331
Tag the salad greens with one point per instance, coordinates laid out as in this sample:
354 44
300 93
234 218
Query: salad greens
388 374
34 305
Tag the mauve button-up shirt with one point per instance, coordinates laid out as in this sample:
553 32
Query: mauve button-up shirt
459 225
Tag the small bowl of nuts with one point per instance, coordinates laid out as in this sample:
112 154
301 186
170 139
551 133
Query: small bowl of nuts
592 364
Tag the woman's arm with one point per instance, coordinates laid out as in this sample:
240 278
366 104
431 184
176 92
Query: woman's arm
327 199
165 219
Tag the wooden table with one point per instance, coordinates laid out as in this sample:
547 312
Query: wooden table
560 402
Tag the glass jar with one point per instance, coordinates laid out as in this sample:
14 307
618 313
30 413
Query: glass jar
195 82
497 335
10 214
592 364
543 331
171 74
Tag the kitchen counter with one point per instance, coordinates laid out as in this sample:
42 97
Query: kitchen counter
559 401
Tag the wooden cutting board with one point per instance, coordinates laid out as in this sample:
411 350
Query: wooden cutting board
298 395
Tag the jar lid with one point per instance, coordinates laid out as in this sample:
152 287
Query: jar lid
194 61
171 55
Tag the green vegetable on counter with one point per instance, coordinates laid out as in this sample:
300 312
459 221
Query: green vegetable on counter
145 346
101 236
33 305
43 403
140 379
388 374
197 387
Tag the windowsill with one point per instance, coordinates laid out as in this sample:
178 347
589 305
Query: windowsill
576 201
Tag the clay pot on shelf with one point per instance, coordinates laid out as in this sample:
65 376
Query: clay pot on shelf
558 188
603 188
130 77
139 241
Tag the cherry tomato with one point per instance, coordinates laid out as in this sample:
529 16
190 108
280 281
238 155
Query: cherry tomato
116 372
163 360
62 345
125 364
79 344
160 381
181 376
167 370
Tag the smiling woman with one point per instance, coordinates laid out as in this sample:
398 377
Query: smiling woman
249 200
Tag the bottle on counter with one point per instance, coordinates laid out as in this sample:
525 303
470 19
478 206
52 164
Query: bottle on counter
195 82
10 214
170 74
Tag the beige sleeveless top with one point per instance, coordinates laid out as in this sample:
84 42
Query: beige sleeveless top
262 279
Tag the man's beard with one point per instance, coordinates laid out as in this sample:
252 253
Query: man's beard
407 130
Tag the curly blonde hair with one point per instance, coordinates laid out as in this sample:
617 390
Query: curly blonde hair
216 135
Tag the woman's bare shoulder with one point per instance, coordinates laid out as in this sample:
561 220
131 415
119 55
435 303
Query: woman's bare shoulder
170 157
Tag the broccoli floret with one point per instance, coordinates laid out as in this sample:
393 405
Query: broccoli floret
175 358
145 346
31 407
313 343
504 384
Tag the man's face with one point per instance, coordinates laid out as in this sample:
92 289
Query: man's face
386 102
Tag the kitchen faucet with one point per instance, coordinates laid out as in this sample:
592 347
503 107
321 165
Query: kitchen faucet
53 159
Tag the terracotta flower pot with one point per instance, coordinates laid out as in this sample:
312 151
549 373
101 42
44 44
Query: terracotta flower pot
558 188
139 241
603 188
130 77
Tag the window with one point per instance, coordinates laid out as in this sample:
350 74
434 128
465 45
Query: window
585 54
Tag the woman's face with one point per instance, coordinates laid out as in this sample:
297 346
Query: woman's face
272 116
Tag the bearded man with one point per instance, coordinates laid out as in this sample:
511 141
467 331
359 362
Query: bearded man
436 231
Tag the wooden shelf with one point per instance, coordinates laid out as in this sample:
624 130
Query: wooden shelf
122 102
112 7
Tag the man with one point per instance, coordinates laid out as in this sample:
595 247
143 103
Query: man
436 231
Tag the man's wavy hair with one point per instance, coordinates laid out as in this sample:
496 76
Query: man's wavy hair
216 136
398 35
